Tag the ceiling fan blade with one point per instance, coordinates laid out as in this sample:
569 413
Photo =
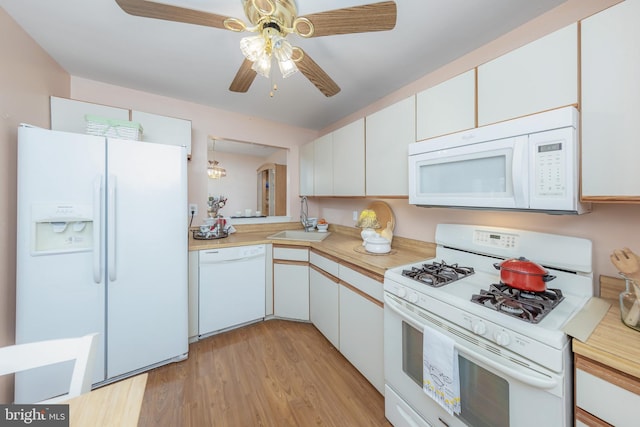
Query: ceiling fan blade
356 19
244 77
314 73
150 9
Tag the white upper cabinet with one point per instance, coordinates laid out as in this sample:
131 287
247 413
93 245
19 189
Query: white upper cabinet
323 166
333 165
68 115
447 107
306 169
388 133
164 129
348 160
611 104
536 77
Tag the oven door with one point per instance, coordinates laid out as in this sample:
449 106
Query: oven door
491 174
497 388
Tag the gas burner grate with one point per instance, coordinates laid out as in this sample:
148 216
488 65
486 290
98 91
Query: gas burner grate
528 306
437 274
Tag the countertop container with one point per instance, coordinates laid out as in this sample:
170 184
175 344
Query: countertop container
630 305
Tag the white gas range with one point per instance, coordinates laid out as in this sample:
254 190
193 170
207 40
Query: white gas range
510 355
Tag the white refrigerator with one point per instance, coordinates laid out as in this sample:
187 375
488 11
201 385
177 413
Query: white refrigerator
102 246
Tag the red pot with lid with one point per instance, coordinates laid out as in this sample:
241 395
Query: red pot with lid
520 273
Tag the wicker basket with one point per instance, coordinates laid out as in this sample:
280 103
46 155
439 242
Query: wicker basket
113 128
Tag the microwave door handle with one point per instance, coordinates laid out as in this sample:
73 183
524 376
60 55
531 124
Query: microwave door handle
518 166
529 379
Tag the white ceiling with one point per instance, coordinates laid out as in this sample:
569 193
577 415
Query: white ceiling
95 39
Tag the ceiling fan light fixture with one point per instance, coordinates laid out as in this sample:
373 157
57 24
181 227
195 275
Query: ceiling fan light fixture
262 65
287 68
252 47
281 48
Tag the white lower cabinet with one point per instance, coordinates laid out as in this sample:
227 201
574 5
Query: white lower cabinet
604 396
291 283
291 291
323 304
361 335
194 297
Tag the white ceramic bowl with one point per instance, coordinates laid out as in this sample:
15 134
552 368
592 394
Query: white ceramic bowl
322 227
312 221
377 245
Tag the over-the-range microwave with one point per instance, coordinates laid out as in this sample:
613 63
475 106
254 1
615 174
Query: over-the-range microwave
527 164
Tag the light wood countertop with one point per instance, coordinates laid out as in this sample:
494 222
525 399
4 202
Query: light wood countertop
114 405
342 243
612 343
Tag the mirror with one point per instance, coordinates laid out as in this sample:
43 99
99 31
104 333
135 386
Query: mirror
255 181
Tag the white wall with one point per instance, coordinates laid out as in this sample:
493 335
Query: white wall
204 121
27 77
240 186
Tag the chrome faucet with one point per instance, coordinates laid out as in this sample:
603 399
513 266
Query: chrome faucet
304 214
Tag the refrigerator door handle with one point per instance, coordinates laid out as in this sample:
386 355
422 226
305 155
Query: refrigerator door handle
111 229
97 221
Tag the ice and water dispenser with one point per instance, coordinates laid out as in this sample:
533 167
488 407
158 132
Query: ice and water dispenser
60 228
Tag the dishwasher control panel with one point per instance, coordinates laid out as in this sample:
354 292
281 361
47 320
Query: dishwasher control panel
231 253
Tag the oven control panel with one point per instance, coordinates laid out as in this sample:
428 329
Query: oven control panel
495 239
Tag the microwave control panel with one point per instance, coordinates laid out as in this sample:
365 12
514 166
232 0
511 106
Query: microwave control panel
550 179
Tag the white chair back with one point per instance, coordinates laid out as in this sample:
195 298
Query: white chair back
21 357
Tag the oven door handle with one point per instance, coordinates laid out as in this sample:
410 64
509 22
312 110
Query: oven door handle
533 380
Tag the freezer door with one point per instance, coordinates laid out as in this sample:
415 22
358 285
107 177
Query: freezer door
147 251
57 294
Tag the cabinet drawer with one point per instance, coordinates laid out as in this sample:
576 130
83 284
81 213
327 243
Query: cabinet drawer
609 399
585 419
290 254
324 263
366 284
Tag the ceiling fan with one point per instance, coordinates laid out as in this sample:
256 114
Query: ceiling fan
273 21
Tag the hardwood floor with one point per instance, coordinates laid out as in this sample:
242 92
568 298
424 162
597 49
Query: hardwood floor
272 373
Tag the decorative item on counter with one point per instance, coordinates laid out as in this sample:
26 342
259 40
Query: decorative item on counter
387 233
322 226
383 213
630 304
628 263
368 221
377 244
214 204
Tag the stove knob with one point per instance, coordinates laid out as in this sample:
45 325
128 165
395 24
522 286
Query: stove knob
502 338
402 292
413 297
478 327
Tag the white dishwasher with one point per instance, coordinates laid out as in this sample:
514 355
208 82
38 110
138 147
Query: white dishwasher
232 287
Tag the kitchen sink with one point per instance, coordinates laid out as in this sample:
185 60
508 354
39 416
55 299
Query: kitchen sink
307 236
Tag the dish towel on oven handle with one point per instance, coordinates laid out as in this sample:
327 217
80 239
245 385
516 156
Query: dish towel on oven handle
440 370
